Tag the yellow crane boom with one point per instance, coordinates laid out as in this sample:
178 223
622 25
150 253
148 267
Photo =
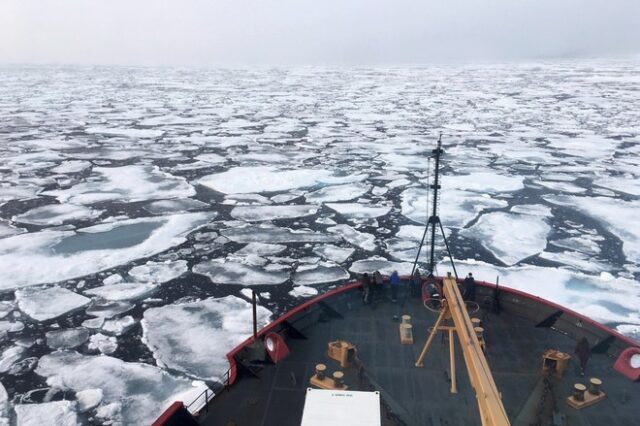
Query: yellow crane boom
492 412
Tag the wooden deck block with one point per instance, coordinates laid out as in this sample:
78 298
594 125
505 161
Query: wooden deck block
589 399
326 383
406 334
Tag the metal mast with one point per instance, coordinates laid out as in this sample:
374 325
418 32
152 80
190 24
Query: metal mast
434 219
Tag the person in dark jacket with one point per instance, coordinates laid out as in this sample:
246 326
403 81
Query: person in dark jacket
394 280
378 281
583 351
366 287
416 283
469 287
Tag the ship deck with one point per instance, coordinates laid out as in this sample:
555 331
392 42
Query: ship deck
421 396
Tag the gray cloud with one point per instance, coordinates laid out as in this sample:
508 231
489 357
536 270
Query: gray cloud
369 32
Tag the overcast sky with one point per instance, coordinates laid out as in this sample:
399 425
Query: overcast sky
293 32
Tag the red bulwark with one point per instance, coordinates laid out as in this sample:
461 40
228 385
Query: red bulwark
623 364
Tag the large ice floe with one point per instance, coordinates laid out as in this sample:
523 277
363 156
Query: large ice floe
352 236
603 297
337 193
239 180
378 263
323 272
264 213
59 413
272 234
223 271
51 256
358 210
133 393
618 216
510 237
195 337
57 214
43 304
125 184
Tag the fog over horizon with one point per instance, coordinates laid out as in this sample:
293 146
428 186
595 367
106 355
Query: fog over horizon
303 32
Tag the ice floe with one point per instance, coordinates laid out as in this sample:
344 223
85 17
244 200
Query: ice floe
221 271
616 215
123 291
51 256
360 239
125 184
377 263
43 304
59 413
510 237
334 253
269 179
359 211
324 272
102 343
601 297
159 272
272 234
457 207
56 214
181 205
140 391
263 213
67 338
195 337
73 166
303 291
337 193
261 249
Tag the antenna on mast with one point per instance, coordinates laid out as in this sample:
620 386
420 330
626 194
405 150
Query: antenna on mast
434 219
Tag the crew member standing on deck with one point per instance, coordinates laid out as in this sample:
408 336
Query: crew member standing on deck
394 280
378 281
469 285
366 287
583 351
416 283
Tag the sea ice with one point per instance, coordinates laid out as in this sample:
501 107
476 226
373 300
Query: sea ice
67 339
73 166
142 390
262 213
4 406
221 271
601 297
125 184
88 399
303 291
195 337
43 304
360 239
104 344
377 263
337 193
10 356
107 309
484 182
181 205
324 272
8 230
51 256
123 291
269 179
458 207
334 253
118 326
159 272
359 211
615 214
57 214
510 237
272 234
59 413
261 249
